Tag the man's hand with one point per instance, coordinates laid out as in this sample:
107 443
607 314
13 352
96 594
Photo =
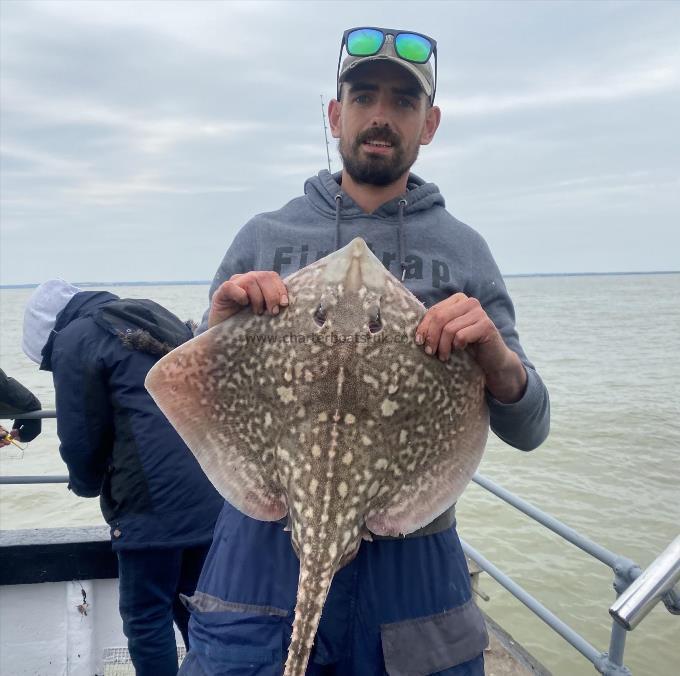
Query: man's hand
4 441
263 291
459 322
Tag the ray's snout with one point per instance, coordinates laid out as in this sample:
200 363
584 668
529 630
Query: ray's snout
358 248
363 268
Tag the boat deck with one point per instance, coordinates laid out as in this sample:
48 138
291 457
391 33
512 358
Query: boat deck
506 657
43 575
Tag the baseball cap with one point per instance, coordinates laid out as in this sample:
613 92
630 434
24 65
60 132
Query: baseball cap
404 48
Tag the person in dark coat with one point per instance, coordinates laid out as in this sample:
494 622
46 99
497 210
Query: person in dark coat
16 399
118 445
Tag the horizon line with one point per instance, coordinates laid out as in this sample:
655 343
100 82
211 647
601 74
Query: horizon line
200 282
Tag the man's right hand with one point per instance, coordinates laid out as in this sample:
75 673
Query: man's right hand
262 290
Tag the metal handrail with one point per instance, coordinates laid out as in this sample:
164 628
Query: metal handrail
637 592
564 630
620 564
625 571
645 592
28 479
42 413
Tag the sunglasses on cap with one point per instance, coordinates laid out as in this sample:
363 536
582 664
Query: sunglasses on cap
415 48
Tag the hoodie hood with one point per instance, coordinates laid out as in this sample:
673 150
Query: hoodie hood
41 312
323 189
81 304
144 325
139 323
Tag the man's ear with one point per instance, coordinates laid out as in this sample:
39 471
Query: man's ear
334 113
432 120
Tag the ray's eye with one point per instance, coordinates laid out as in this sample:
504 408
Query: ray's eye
375 321
320 315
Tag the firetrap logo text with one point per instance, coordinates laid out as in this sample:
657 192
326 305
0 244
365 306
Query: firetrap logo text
287 259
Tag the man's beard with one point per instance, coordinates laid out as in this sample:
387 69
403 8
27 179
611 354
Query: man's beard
376 169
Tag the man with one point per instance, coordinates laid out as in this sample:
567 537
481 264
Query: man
401 606
118 445
16 399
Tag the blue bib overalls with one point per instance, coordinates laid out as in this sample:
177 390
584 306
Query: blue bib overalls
400 607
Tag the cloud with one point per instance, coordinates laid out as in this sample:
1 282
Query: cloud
109 192
568 92
34 161
134 131
220 27
147 131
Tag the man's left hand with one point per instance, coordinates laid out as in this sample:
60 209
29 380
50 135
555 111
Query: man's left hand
460 322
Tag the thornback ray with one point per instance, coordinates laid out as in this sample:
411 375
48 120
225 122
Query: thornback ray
328 412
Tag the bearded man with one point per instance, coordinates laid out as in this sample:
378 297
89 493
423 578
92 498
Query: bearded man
402 605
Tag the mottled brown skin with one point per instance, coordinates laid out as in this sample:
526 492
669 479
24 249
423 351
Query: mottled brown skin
330 413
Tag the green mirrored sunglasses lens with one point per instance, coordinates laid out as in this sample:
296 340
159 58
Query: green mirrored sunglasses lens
413 47
364 42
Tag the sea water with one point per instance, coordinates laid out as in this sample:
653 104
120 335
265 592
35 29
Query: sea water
608 347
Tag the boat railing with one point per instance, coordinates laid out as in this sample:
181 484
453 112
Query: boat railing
637 591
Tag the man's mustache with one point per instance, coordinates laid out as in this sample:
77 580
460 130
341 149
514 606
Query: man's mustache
378 134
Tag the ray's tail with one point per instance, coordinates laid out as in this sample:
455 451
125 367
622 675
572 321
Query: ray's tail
313 588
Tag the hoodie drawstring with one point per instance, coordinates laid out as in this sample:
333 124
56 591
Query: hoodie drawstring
401 252
403 203
338 204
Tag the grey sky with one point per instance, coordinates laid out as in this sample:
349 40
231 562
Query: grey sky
138 137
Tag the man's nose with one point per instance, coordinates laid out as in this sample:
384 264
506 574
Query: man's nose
380 117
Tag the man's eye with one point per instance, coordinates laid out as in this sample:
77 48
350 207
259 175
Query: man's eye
405 103
362 98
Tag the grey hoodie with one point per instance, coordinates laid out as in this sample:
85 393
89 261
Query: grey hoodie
418 241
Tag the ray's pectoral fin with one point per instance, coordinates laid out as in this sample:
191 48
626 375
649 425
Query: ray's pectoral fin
428 492
222 422
430 471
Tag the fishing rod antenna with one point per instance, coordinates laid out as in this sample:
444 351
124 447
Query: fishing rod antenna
325 134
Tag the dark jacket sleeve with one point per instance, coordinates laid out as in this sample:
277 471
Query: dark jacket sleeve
84 413
15 398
